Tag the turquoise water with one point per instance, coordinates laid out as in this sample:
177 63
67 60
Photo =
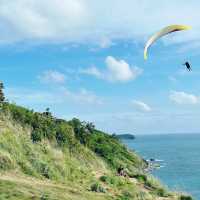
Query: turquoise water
181 159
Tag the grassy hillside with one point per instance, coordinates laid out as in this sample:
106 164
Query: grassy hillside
44 158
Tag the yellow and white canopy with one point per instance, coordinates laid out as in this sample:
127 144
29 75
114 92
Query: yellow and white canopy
161 33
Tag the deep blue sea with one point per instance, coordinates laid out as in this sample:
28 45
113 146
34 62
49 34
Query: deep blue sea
181 159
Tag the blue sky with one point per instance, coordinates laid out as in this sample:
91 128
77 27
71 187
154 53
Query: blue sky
84 58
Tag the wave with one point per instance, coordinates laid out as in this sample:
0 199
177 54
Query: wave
157 160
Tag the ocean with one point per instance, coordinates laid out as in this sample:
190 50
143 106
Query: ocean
180 159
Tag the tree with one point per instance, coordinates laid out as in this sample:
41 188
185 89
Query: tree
80 130
2 97
90 127
47 112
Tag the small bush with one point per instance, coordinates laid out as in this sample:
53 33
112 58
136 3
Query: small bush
26 168
45 170
156 187
96 187
5 162
44 197
126 195
161 192
183 197
36 135
141 178
112 180
64 134
104 179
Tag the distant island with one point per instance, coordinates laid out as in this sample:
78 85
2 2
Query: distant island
126 136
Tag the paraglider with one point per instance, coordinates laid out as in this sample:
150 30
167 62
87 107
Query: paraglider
188 66
161 33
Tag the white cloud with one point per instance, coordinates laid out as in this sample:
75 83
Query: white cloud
116 70
183 98
120 70
42 20
141 106
28 96
93 71
52 76
61 95
84 97
82 20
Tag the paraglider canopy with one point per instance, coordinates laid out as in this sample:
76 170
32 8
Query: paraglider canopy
161 33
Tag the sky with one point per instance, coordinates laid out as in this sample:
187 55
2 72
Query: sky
84 58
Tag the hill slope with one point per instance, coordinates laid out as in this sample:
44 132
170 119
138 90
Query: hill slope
44 158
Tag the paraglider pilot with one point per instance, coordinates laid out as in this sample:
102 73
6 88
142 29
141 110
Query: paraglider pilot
188 66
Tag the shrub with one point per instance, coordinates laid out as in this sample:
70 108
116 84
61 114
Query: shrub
45 170
96 187
126 195
5 162
27 168
109 180
113 180
161 192
141 178
44 197
153 184
36 135
104 179
63 133
183 197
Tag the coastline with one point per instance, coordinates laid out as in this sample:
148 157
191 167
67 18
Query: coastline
177 153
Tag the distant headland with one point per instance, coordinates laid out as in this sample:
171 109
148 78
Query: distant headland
126 136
